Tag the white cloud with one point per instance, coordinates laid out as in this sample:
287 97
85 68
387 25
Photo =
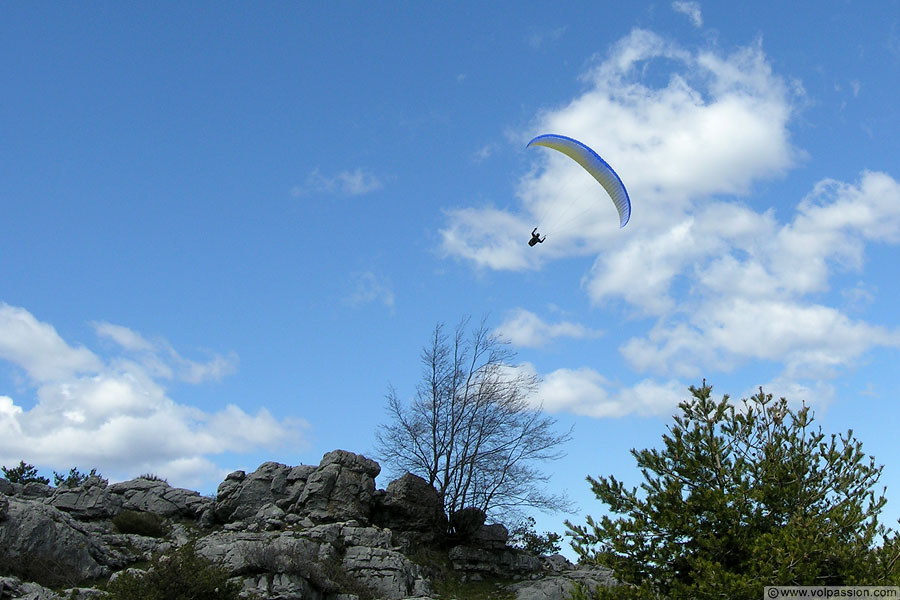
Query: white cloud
727 282
524 328
859 296
809 340
38 349
714 124
691 9
816 394
750 299
538 39
484 153
160 358
491 238
368 288
115 414
345 183
584 391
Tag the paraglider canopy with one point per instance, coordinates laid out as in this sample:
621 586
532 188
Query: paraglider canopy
593 164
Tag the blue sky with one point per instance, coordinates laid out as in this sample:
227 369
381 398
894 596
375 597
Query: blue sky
227 228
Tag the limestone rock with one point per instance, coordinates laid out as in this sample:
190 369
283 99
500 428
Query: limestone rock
560 587
290 533
33 489
13 587
159 498
412 509
466 522
86 501
340 489
480 563
387 573
246 553
48 543
280 586
241 496
491 537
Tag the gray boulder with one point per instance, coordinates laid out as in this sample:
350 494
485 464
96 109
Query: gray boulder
13 587
158 497
280 586
241 496
482 563
340 489
387 573
33 489
465 522
412 509
490 537
47 544
88 501
248 553
560 587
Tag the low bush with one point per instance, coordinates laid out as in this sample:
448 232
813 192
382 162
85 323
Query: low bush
525 537
140 523
183 575
47 571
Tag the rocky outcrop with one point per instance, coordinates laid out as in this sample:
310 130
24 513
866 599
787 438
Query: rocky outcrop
241 496
38 539
562 584
96 500
411 508
283 532
341 488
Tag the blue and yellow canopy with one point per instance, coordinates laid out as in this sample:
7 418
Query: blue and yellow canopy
593 164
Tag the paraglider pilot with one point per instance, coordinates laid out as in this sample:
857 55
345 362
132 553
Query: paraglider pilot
536 238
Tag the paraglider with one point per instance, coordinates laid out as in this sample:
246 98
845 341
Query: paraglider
591 162
536 238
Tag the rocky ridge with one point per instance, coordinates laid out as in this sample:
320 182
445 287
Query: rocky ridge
284 533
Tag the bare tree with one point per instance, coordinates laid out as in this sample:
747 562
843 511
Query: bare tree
471 430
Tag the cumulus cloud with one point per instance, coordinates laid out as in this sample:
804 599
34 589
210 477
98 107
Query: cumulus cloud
712 124
585 391
115 413
490 238
524 328
723 278
38 349
753 284
691 9
356 182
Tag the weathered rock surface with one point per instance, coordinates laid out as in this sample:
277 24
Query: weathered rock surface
241 496
159 498
13 587
484 563
38 538
558 587
283 532
412 509
341 488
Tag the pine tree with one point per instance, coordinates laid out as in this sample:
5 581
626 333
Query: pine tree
740 497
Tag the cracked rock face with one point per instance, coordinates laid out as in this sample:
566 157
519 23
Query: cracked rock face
241 496
41 538
282 532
